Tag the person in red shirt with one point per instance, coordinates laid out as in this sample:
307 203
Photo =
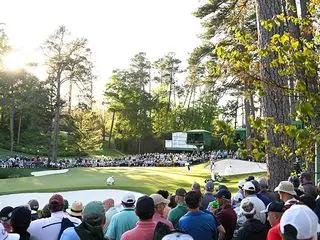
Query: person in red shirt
274 210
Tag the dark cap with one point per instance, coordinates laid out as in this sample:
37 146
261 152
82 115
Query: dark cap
250 178
274 207
5 213
209 186
181 192
21 217
34 204
220 187
223 193
305 175
145 204
56 199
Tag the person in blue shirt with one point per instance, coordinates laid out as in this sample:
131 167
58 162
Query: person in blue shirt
197 223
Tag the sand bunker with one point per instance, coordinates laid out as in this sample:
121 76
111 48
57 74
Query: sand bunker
49 172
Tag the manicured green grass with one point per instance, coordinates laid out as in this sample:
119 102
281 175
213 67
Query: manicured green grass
144 180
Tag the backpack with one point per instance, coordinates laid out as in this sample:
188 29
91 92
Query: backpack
65 223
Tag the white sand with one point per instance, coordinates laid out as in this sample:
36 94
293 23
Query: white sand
85 196
49 172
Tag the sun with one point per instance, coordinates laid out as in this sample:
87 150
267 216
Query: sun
13 61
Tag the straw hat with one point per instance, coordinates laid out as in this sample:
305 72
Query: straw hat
76 209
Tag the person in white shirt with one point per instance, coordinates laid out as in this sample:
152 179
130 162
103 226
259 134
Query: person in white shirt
250 194
49 228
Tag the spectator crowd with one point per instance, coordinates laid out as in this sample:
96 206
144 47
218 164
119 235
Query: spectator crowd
254 212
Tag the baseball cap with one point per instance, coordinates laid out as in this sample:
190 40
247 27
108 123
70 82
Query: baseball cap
177 236
129 198
223 193
274 207
209 186
5 213
94 207
250 178
7 236
303 219
145 204
287 187
220 187
76 209
241 183
157 199
21 217
195 186
238 197
181 192
214 204
34 205
249 187
56 199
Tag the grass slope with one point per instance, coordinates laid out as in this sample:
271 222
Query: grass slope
144 180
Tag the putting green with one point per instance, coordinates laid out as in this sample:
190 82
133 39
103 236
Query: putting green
145 180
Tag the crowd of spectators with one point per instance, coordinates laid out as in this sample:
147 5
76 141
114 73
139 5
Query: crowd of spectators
291 211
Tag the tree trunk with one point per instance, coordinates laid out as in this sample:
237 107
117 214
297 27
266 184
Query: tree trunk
11 123
19 129
275 103
56 119
247 109
111 129
169 101
70 97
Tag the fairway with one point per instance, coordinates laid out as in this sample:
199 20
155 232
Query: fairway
144 180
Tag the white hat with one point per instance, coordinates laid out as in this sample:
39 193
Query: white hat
241 184
303 219
177 236
249 187
287 187
157 199
238 197
7 236
128 198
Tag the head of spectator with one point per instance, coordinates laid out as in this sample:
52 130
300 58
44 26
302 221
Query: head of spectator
263 183
108 203
160 203
128 200
249 178
237 199
256 185
305 178
5 216
65 205
209 187
76 209
34 205
193 200
220 187
177 236
20 221
308 201
274 211
248 189
196 187
145 208
173 202
299 222
56 203
164 193
295 181
247 209
4 235
223 197
180 196
241 184
45 213
94 214
285 190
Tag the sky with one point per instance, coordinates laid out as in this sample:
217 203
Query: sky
116 30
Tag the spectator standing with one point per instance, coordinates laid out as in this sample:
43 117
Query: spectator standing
287 193
180 210
5 216
196 187
49 228
76 209
263 197
34 206
208 196
4 235
250 194
307 186
165 194
252 228
123 221
264 190
274 211
240 193
110 209
92 224
145 226
160 204
296 183
20 221
198 224
225 214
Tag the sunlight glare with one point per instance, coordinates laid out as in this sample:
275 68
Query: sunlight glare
13 61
